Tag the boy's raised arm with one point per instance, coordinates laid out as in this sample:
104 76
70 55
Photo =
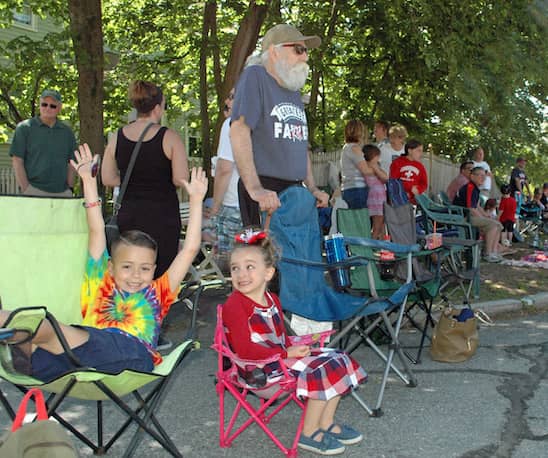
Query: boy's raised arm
196 189
83 164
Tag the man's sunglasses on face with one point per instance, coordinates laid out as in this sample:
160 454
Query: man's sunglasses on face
299 49
51 105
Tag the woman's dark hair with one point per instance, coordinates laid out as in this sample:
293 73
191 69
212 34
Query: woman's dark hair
135 238
370 151
144 96
411 144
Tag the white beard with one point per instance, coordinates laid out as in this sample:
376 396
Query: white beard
292 78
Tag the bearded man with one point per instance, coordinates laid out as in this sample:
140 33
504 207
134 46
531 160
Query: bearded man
269 131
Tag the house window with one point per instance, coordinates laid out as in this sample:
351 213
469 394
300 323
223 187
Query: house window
24 17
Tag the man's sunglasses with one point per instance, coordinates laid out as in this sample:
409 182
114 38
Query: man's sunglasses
299 49
51 105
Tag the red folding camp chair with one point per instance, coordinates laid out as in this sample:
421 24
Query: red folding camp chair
244 379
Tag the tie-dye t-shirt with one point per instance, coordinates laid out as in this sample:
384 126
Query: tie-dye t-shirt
137 314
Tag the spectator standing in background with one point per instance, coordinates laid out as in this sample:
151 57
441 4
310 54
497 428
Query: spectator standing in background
226 208
41 149
375 179
397 135
380 132
518 180
479 161
507 215
354 168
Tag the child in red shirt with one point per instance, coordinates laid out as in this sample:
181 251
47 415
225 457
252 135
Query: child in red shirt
507 215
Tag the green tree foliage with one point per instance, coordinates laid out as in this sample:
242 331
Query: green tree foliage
457 73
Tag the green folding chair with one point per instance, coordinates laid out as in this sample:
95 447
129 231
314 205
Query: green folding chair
44 244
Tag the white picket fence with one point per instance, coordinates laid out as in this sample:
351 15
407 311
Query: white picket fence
8 184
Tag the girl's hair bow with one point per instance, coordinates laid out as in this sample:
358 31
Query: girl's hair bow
250 236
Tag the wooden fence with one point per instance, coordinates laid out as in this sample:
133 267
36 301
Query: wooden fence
8 184
326 167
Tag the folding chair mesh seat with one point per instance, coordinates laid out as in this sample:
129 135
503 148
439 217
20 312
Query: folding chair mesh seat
272 397
304 291
46 240
402 228
461 267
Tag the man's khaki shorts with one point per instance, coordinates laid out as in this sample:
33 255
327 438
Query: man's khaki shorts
485 224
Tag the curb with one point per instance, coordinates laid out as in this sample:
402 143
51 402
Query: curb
526 303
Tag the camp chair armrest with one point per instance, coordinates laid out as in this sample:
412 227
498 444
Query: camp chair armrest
311 339
307 263
456 241
243 362
382 245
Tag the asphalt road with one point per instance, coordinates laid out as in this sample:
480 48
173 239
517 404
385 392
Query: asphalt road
495 404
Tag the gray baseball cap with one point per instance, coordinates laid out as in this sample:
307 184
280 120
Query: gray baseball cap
51 93
285 33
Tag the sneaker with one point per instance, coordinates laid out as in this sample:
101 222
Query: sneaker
347 436
492 257
163 343
506 242
327 446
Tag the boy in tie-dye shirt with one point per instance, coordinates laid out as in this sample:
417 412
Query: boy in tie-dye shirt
122 305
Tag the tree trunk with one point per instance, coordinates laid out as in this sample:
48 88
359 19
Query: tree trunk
316 72
210 12
87 37
243 45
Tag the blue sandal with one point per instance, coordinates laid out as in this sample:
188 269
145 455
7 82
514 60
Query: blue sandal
327 446
347 436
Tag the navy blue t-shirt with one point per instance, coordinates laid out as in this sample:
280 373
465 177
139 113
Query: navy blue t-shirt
467 196
276 117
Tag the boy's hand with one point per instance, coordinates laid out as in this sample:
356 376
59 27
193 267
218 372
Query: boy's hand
86 165
198 183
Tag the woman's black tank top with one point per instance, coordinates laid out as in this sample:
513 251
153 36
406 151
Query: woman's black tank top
151 178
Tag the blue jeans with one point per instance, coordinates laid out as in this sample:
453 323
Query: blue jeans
105 350
356 197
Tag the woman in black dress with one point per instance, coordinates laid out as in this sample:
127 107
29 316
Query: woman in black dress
150 203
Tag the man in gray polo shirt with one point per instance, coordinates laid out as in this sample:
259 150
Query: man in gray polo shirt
41 149
269 131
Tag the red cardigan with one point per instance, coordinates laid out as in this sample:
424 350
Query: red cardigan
236 312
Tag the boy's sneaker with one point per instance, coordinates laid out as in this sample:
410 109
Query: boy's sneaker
327 446
163 343
506 242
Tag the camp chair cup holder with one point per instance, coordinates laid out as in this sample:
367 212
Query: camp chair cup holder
336 251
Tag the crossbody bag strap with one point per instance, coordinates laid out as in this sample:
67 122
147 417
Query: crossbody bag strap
130 166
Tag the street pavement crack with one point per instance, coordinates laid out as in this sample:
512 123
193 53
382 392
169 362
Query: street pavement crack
518 388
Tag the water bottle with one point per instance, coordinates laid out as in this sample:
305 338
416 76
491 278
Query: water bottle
335 251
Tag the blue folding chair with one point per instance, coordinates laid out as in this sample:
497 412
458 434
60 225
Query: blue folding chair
305 292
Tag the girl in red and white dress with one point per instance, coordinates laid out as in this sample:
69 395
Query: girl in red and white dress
253 320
